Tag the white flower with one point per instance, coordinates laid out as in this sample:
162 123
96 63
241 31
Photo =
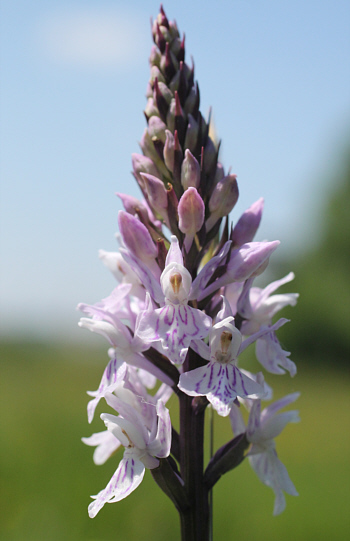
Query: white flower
263 427
143 448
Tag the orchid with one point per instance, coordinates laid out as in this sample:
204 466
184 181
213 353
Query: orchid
176 324
143 448
183 311
221 381
263 427
257 307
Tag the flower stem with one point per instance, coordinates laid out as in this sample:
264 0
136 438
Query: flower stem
195 521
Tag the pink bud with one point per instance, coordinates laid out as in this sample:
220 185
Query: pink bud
210 155
156 194
219 175
170 117
149 150
191 215
190 171
191 134
247 259
133 206
138 240
156 128
142 164
243 263
247 225
164 91
222 200
151 108
155 56
192 101
156 74
169 150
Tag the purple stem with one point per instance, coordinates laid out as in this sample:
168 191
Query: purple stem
195 520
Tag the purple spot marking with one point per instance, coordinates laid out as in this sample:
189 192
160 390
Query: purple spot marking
240 375
184 316
126 466
211 375
172 315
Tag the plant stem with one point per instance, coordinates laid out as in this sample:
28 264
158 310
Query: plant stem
195 521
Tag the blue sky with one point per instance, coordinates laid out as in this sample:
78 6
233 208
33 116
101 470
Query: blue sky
74 76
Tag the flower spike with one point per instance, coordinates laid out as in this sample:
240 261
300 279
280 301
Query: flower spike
184 310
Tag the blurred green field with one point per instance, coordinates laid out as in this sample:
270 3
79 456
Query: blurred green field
47 474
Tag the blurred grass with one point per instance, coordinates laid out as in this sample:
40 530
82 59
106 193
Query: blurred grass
47 474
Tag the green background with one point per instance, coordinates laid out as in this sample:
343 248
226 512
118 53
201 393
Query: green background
48 474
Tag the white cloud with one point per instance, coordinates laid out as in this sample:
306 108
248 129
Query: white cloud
94 38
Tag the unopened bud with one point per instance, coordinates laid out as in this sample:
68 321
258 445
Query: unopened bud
247 259
192 102
190 171
142 164
133 206
149 150
156 74
156 194
170 117
219 174
173 30
210 155
222 200
169 149
169 63
246 227
151 109
162 97
192 131
156 128
191 215
155 56
138 240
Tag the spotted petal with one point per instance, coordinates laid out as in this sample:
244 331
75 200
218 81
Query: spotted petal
273 473
125 480
174 326
220 383
271 355
112 377
201 281
144 274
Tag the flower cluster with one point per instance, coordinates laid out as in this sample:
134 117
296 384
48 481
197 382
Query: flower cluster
184 308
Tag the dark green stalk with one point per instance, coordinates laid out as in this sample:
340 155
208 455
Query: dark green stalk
195 520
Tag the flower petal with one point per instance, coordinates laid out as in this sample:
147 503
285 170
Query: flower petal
273 473
112 377
271 410
125 480
160 447
274 425
237 421
174 326
145 275
220 383
203 277
271 355
106 444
